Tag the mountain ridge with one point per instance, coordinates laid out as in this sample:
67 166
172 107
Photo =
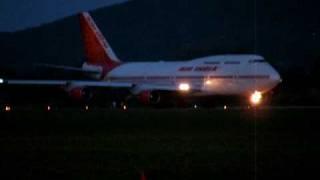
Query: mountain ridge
183 29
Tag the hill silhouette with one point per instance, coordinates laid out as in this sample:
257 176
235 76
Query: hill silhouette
162 29
286 33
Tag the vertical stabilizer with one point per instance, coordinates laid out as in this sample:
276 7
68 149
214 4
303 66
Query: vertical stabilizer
97 50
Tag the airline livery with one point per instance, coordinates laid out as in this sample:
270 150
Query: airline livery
231 75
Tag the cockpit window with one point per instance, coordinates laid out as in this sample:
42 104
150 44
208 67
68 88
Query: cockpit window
257 61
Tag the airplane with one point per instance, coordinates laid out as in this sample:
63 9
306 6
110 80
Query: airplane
243 75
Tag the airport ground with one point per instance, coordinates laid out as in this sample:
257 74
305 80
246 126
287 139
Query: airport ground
276 143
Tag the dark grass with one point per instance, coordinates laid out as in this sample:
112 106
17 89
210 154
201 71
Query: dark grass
165 144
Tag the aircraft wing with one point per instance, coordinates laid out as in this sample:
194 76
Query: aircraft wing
162 87
136 88
68 82
69 68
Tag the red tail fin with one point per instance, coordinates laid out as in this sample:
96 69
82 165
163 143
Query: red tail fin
97 49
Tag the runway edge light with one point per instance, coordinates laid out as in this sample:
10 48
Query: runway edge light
7 108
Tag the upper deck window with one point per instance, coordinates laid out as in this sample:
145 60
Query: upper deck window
257 61
211 62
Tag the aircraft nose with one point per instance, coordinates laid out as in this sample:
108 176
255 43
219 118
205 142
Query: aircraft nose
275 76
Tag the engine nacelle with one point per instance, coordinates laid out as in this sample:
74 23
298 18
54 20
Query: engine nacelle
80 94
149 97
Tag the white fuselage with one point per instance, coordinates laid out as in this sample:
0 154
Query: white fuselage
213 75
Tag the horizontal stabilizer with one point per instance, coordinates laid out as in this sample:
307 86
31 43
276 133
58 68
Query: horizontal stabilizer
70 68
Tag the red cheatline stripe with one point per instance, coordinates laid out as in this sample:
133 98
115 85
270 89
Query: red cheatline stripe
190 77
221 77
232 62
254 77
158 77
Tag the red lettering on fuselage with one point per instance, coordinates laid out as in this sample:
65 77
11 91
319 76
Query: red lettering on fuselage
186 68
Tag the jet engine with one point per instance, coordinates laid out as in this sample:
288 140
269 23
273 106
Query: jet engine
80 94
149 97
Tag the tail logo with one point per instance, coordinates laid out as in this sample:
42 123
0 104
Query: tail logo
97 49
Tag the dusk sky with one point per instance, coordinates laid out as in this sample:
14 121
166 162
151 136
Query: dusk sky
20 14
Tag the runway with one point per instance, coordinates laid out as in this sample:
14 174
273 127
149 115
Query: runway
103 143
50 107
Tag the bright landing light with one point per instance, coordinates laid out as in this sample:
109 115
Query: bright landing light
207 82
1 81
256 98
184 87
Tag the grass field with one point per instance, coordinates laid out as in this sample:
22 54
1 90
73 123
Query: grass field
165 144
